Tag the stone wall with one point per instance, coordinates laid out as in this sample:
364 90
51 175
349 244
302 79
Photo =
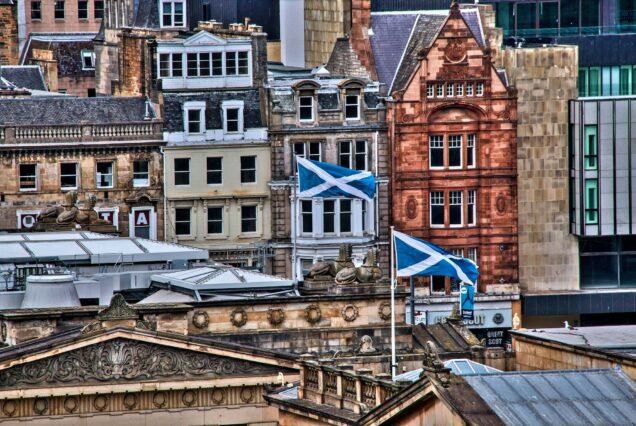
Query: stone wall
325 21
545 79
8 34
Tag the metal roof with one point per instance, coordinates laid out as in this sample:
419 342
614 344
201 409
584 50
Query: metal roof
573 397
90 247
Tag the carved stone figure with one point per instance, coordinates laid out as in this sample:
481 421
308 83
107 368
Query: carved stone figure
366 345
346 276
331 268
367 273
69 209
68 214
433 366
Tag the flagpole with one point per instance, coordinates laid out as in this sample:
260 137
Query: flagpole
393 359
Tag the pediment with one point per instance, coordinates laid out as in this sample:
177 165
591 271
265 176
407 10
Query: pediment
118 359
204 38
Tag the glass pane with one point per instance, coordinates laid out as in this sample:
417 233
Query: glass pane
599 271
345 215
590 14
437 215
526 18
569 17
329 215
583 82
505 18
628 270
594 81
548 17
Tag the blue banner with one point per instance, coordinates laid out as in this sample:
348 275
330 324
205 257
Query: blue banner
467 301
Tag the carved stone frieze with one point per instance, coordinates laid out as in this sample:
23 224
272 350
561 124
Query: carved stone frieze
200 319
118 309
275 316
238 317
313 314
122 360
384 311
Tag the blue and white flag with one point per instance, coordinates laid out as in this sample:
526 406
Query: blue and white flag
324 180
415 257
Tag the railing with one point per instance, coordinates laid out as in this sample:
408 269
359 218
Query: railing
80 133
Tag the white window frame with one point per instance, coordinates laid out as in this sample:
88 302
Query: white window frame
473 253
77 175
113 210
198 58
172 13
87 10
469 89
34 176
170 64
98 174
233 105
141 183
207 170
207 220
471 150
189 221
301 216
194 106
255 170
152 218
479 89
440 90
434 200
353 153
450 87
435 142
256 221
306 151
471 204
459 89
175 171
452 201
430 90
311 106
453 139
351 94
90 55
237 56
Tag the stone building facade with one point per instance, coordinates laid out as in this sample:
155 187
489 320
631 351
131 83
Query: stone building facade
109 148
334 119
8 32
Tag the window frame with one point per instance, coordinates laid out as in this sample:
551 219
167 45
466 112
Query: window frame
469 89
439 93
246 169
138 182
63 175
459 89
591 204
167 67
38 10
309 107
434 200
471 208
590 153
471 151
435 139
34 176
177 221
459 206
306 151
453 138
98 12
219 171
354 154
479 89
88 54
182 172
237 106
350 95
99 174
430 90
172 13
221 220
57 10
79 10
306 215
244 219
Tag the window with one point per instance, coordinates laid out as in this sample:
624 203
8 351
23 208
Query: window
170 65
455 210
430 90
308 150
248 169
28 177
194 121
141 174
198 64
436 148
454 151
469 89
306 108
182 220
345 215
472 254
591 201
172 14
438 284
68 176
248 219
470 151
36 10
454 283
449 89
237 63
182 171
437 208
230 63
104 178
217 63
88 60
215 220
591 148
215 170
82 9
353 154
306 216
352 105
59 9
472 208
329 216
98 9
459 89
232 120
243 63
440 90
479 89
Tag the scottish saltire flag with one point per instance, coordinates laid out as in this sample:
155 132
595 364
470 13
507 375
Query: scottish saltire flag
415 257
324 180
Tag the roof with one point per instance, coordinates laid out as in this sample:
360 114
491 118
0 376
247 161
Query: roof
211 281
573 397
67 51
459 367
24 76
74 110
90 246
146 14
446 337
618 338
395 52
345 61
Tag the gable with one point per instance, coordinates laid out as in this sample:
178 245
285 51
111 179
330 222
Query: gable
125 360
204 38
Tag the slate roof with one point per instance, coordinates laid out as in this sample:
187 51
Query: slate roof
146 14
344 61
24 76
71 110
395 52
173 108
572 397
447 339
67 51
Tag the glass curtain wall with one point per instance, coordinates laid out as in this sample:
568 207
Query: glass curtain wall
607 81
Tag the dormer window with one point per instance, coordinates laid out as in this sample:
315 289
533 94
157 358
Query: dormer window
306 106
233 117
88 60
194 117
171 65
352 105
237 63
172 14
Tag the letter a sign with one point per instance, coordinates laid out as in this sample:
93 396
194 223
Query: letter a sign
142 218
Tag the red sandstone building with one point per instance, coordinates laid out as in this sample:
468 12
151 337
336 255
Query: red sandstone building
452 130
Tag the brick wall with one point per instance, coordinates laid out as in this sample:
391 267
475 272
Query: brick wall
8 34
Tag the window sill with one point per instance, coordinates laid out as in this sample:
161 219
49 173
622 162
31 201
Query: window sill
249 183
215 184
83 20
102 188
36 19
141 186
29 190
69 189
185 237
247 235
215 237
437 226
59 20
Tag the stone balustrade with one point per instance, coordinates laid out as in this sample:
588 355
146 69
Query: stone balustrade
344 388
80 133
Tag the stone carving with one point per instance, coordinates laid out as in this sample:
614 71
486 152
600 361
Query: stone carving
200 319
9 407
218 396
367 273
331 268
501 204
123 360
159 399
411 207
130 401
117 310
433 366
350 313
455 50
40 405
71 404
246 395
68 215
238 317
100 403
366 345
313 314
275 316
384 311
189 398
